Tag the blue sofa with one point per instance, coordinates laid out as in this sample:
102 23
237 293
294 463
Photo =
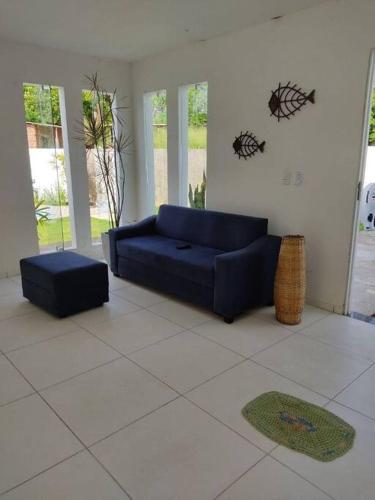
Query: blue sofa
223 262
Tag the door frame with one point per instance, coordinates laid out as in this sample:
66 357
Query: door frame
361 176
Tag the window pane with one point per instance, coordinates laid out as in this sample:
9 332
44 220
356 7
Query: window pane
95 154
197 144
159 132
47 162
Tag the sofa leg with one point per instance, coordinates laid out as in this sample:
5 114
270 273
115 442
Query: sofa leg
228 319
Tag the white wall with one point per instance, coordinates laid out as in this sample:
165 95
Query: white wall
23 63
326 48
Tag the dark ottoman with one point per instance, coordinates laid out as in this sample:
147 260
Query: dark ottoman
64 283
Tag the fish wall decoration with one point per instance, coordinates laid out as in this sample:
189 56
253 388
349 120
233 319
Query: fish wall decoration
287 99
246 145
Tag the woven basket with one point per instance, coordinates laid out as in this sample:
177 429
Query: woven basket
290 280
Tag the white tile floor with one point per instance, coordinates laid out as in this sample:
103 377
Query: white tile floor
142 399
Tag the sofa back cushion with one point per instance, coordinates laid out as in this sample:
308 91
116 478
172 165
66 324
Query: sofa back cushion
219 230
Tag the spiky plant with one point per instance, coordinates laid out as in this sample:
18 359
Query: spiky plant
102 130
41 210
198 198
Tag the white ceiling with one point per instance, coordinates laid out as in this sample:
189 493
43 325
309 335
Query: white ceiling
132 29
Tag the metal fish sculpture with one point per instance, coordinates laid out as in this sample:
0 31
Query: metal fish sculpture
246 145
287 99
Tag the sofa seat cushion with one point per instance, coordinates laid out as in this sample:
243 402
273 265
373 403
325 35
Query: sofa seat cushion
196 263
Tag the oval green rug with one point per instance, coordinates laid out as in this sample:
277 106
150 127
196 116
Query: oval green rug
299 425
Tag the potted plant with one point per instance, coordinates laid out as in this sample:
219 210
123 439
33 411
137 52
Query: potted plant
102 131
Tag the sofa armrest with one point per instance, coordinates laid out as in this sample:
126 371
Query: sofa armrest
142 228
245 277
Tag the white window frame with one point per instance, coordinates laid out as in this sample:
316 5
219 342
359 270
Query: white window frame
183 145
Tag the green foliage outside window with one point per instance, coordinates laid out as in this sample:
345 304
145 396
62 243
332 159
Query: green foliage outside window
197 199
197 106
371 138
92 109
197 117
159 108
42 104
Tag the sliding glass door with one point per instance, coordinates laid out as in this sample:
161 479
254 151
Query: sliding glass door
47 163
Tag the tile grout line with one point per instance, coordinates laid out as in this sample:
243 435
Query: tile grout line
135 350
372 363
300 475
69 428
202 336
338 348
238 353
352 382
333 400
120 356
313 340
115 292
179 324
18 315
163 382
242 361
185 393
40 341
179 394
329 400
216 497
123 427
126 356
184 331
352 409
85 328
227 425
41 472
51 386
148 308
3 405
268 455
140 308
312 323
288 378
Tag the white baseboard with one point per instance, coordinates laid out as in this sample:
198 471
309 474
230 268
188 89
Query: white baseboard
336 308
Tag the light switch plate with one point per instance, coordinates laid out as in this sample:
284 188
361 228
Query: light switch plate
298 178
287 178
